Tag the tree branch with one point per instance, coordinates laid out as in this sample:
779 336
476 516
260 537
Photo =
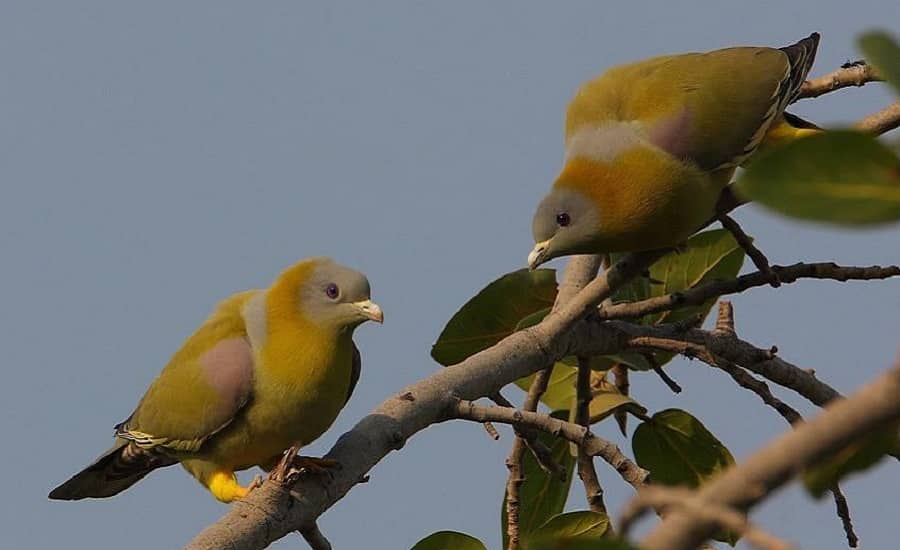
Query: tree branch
762 362
759 259
857 73
667 498
579 435
592 489
315 538
579 273
882 121
265 516
741 487
786 275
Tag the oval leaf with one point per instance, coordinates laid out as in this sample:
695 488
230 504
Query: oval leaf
678 450
573 525
604 403
858 456
560 392
883 52
533 319
494 313
449 540
542 494
707 256
838 177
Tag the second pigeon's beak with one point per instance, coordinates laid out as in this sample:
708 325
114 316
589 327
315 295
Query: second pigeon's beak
538 254
370 310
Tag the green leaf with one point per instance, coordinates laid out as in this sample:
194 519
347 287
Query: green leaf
494 313
678 450
709 256
570 527
542 495
532 319
855 457
839 177
604 403
560 394
449 540
883 52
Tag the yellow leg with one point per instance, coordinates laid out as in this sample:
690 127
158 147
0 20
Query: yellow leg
224 486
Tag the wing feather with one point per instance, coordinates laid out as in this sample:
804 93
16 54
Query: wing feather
203 387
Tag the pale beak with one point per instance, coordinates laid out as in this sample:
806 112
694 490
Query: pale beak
370 310
538 254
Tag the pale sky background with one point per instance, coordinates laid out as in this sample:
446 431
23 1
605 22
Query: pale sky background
156 158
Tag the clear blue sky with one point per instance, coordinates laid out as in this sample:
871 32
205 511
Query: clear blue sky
155 158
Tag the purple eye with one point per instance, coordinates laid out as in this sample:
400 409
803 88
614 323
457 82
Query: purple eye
332 291
562 219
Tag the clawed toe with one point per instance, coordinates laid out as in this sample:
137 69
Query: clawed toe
292 466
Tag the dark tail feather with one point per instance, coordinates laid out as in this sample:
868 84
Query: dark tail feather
801 56
798 122
116 470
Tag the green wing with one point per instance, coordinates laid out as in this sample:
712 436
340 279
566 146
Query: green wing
715 107
202 388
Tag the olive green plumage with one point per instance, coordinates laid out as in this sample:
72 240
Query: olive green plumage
269 369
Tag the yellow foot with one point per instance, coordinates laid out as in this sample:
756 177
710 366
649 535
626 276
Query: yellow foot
224 486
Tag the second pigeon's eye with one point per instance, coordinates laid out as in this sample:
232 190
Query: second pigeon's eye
562 219
332 291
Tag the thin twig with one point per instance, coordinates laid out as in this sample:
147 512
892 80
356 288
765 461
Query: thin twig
620 380
662 374
843 512
580 271
786 274
586 472
492 431
857 73
725 319
542 454
593 444
515 461
314 537
759 259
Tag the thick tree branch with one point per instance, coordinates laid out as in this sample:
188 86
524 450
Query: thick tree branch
857 73
264 516
741 487
667 498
